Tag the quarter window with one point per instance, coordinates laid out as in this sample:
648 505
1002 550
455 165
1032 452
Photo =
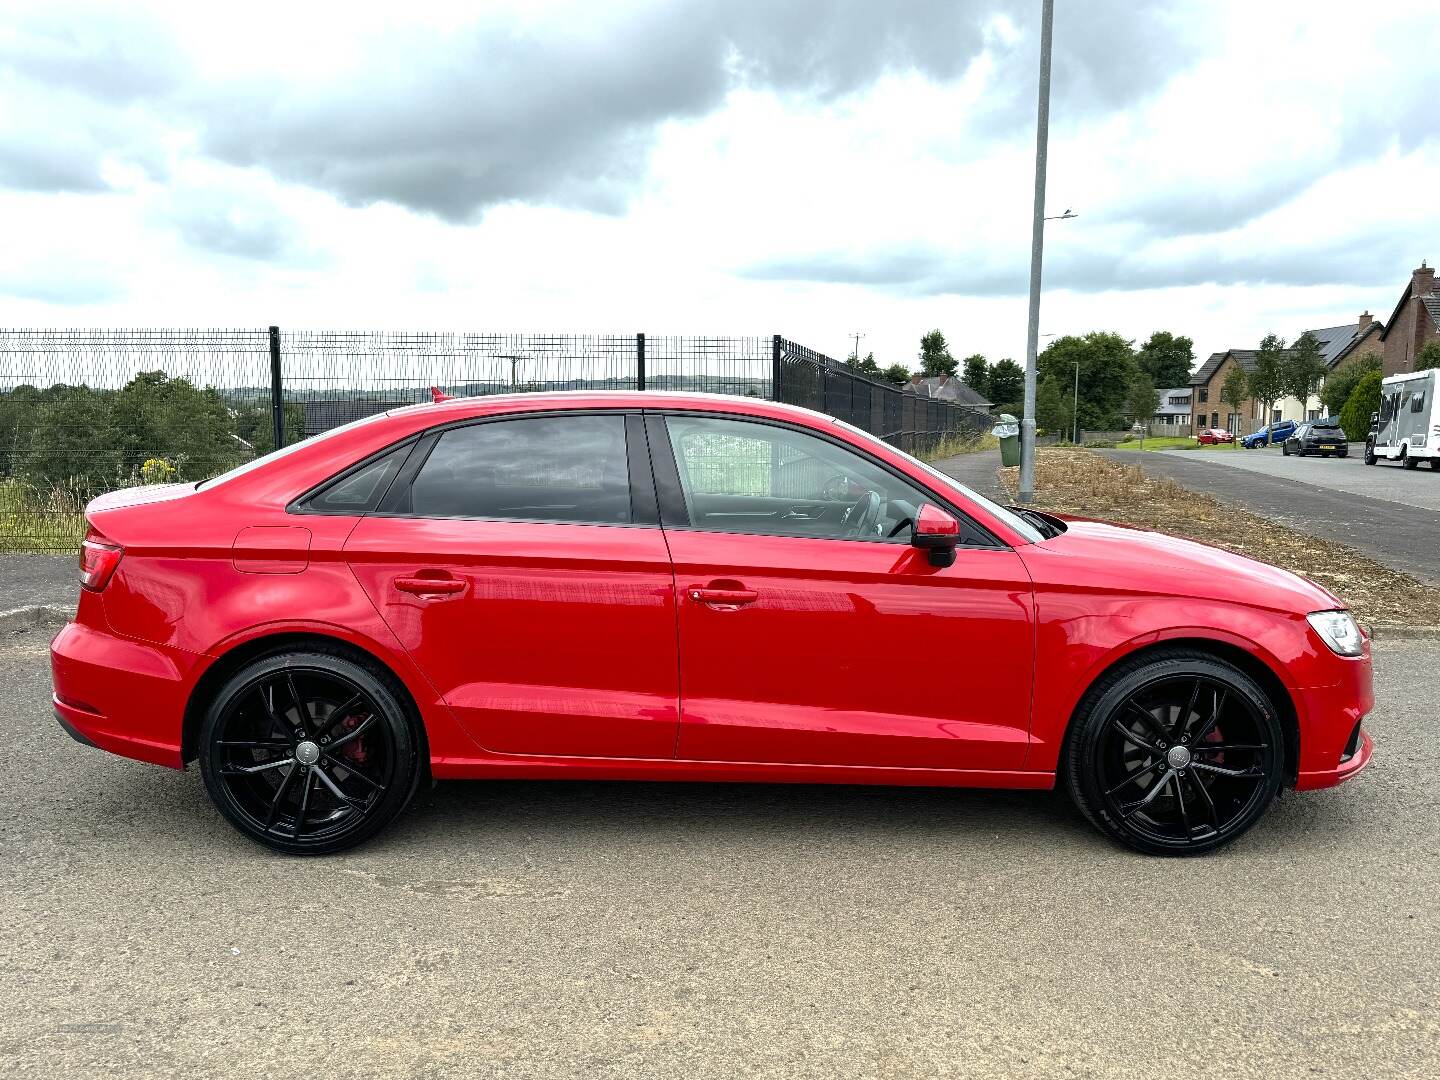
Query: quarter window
363 489
758 478
568 468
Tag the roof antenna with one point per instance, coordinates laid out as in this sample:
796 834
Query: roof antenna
437 396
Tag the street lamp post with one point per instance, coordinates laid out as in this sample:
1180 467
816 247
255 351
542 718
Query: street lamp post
1037 245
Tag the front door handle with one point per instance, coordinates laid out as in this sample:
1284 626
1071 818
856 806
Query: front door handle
421 586
722 598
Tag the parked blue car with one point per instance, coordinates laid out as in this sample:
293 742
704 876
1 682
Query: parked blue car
1269 435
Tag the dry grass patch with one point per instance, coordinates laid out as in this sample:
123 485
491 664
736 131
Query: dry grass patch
1086 484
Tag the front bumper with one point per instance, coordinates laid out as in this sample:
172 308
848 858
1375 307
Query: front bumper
1334 745
120 695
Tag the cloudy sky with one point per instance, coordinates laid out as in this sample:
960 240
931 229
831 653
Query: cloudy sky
807 167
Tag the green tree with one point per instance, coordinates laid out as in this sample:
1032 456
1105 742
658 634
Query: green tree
1428 357
897 374
74 443
1052 413
1107 369
1267 381
1363 401
976 374
254 425
868 366
1235 390
1303 368
1007 382
19 411
1167 359
935 358
1341 382
1143 401
157 416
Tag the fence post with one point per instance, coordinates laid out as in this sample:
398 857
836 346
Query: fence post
277 389
639 361
775 366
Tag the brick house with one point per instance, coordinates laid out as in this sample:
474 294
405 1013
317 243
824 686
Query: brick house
1207 409
1337 344
1415 322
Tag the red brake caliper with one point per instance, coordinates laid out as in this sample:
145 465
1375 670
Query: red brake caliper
354 750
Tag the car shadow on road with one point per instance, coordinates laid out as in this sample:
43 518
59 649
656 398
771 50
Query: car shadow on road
527 811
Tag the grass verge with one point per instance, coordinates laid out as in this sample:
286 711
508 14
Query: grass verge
952 445
1085 484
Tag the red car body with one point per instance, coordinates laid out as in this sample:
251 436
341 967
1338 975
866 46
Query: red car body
1213 436
644 652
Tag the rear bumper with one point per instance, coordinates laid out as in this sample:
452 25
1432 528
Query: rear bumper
119 695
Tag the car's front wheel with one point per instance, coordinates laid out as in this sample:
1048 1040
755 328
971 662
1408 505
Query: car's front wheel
1369 453
1285 449
309 752
1175 753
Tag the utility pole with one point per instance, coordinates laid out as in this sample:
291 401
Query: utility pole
1037 245
857 335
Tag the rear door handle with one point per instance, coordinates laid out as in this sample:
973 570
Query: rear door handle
722 597
430 586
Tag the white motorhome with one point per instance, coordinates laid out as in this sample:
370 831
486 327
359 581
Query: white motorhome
1407 427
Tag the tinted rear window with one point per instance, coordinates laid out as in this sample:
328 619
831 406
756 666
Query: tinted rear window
543 468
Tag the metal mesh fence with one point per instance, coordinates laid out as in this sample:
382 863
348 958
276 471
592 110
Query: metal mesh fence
86 411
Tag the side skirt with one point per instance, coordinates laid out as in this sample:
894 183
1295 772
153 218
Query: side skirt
577 768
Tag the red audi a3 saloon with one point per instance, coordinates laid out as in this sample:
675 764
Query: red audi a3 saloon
652 586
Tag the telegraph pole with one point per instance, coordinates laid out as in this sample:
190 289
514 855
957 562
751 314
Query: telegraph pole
1037 245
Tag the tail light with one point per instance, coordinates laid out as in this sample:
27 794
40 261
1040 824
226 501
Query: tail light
98 560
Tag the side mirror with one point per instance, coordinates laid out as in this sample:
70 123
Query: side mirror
1374 418
937 533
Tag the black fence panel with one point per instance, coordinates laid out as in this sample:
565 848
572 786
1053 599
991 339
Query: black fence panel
86 411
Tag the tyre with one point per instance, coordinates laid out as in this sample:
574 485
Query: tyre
1174 753
1285 449
309 752
1435 463
1342 453
1369 453
1410 462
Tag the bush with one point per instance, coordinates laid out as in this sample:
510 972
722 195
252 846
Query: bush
1363 400
1341 382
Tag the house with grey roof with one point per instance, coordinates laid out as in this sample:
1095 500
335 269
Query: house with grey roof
1337 345
1172 413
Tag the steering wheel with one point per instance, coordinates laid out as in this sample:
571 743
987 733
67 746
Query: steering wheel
835 488
861 518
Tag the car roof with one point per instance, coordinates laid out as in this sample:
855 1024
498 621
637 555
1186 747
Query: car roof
459 408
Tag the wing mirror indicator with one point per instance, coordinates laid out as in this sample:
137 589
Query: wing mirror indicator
936 533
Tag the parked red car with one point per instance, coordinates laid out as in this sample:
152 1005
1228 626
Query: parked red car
662 587
1211 436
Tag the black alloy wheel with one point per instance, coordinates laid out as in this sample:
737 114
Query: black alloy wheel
1177 753
309 753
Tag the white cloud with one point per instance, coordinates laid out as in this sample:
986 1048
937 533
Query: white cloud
1236 170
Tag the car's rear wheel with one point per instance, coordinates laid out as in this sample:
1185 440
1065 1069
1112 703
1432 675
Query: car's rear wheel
1369 453
309 752
1285 449
1410 462
1175 753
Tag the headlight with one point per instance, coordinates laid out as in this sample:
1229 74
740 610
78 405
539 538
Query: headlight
1339 630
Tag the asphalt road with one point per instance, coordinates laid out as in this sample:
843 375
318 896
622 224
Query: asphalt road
633 930
38 579
1387 481
1403 537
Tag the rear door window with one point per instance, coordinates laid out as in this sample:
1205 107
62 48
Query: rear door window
569 468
